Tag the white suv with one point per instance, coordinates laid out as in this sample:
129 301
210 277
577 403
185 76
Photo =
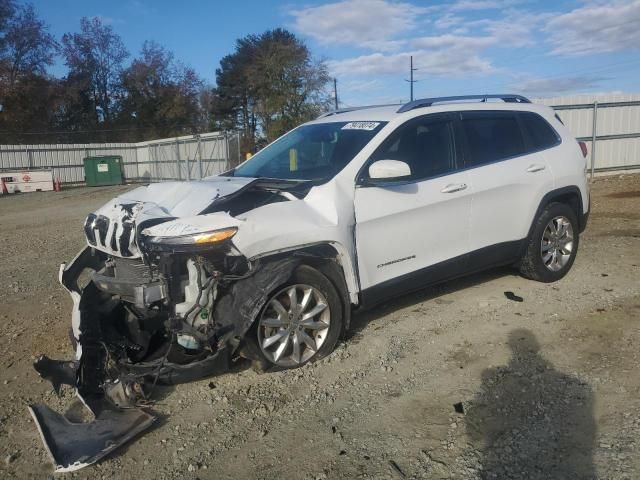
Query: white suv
269 259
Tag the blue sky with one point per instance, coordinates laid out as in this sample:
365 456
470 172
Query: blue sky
536 48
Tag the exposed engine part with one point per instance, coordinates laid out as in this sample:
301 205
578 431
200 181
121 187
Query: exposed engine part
196 310
131 269
132 281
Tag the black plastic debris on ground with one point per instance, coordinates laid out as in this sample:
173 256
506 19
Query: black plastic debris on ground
513 296
396 469
458 407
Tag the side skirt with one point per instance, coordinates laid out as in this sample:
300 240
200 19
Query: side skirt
488 257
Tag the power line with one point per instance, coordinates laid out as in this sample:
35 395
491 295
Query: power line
411 81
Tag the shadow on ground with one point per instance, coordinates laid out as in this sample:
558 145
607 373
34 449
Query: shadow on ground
530 421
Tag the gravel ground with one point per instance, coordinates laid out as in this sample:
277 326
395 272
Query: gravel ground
456 381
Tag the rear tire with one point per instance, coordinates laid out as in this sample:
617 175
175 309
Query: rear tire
288 334
553 244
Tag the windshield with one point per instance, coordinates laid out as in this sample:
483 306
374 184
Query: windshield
311 152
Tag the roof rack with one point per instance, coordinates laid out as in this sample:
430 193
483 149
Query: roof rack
353 109
427 102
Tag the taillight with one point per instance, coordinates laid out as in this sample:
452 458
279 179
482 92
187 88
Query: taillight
583 147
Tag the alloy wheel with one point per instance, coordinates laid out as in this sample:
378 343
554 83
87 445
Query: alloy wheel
557 243
294 325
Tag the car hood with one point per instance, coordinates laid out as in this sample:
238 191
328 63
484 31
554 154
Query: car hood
180 199
113 227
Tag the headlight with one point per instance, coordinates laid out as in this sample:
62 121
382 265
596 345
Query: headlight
195 240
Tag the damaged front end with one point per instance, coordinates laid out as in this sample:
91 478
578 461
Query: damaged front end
154 302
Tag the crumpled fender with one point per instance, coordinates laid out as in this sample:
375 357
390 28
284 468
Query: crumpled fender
236 310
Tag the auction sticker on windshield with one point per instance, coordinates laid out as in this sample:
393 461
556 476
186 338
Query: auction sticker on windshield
361 126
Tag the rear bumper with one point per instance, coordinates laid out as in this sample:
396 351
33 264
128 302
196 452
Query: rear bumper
584 218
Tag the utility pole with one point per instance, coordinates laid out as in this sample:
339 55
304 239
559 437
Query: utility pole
335 92
411 80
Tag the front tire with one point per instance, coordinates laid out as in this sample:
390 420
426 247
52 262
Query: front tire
301 321
553 244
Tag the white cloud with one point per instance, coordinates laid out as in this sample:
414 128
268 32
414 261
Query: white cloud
554 86
429 62
596 28
511 33
515 29
436 55
448 20
360 86
456 39
364 23
385 45
389 30
466 5
456 42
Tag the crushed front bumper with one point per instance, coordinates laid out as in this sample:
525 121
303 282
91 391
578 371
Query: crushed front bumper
71 442
115 392
73 446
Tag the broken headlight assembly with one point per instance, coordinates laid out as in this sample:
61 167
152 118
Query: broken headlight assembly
187 243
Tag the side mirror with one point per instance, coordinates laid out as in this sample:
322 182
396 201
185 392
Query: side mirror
389 170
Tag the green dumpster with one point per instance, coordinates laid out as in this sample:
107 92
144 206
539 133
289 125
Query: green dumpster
105 170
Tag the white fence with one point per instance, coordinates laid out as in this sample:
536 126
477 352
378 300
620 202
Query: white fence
182 158
609 124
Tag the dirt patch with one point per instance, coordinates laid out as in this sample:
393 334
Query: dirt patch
547 382
624 194
618 215
634 233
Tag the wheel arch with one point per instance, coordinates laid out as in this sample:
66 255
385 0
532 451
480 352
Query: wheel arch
332 260
569 195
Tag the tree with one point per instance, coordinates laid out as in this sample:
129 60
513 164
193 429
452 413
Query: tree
160 93
7 10
268 85
30 107
27 94
233 99
28 47
289 85
95 58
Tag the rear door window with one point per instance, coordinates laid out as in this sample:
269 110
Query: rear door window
491 136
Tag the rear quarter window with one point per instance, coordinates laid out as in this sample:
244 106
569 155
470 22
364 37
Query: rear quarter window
541 134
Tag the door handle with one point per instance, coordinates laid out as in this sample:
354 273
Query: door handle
454 187
535 168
